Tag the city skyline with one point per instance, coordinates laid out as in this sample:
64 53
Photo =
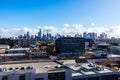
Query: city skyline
59 16
66 29
47 35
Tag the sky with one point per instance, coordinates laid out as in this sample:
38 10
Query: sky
59 16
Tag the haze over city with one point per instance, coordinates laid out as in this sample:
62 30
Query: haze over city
59 16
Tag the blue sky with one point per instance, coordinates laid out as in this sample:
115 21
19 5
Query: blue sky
31 13
17 13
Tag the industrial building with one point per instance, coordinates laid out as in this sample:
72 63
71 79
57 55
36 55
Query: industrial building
33 70
70 44
54 70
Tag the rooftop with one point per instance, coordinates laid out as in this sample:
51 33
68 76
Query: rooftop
39 66
83 70
17 49
87 68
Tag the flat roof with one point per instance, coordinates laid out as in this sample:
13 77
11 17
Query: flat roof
40 66
48 66
67 61
113 55
89 71
20 54
17 49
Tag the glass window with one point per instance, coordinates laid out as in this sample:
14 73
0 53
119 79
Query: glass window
39 79
4 78
56 76
22 77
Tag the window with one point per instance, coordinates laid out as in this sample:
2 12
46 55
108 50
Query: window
39 79
110 77
22 77
4 78
56 76
94 78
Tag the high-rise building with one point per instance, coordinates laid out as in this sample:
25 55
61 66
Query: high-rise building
103 35
44 37
85 35
28 35
57 36
39 34
77 35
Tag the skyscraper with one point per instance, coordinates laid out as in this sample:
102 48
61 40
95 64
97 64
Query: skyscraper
85 35
39 34
28 35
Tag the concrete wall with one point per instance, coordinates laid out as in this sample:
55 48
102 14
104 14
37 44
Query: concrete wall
68 75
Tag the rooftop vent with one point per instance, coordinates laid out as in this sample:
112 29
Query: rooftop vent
100 68
4 69
17 68
91 65
76 65
56 67
10 68
22 68
29 67
46 66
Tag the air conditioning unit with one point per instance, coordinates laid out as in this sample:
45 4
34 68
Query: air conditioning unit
100 68
10 68
22 68
91 64
46 66
29 67
16 68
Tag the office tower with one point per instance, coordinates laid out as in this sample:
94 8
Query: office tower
39 34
